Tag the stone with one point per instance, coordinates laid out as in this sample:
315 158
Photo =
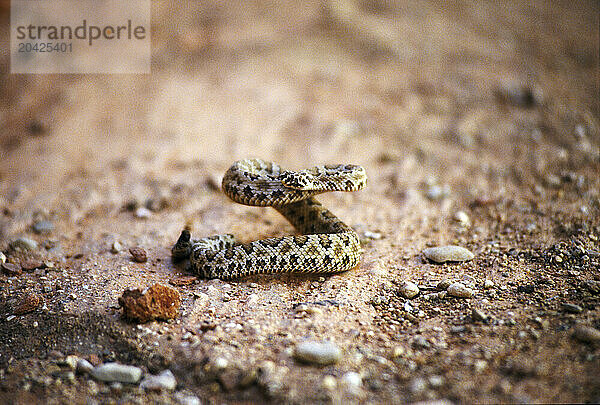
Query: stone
155 303
71 361
571 308
164 381
435 192
2 258
138 254
487 284
83 366
116 247
28 304
143 213
459 290
443 284
11 269
586 334
352 382
321 353
115 372
408 289
477 315
442 254
31 264
23 244
43 227
184 398
462 218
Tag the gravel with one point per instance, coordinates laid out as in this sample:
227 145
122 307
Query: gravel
321 353
115 372
451 253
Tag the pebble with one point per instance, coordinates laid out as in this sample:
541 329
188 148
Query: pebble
477 315
517 94
28 304
443 284
442 254
2 258
143 213
43 227
71 361
418 385
459 290
114 372
157 302
373 235
329 382
321 353
408 289
23 244
163 381
11 269
487 284
116 247
586 334
352 382
572 308
31 264
436 192
83 366
183 398
462 218
139 254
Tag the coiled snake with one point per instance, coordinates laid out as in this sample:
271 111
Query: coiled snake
326 244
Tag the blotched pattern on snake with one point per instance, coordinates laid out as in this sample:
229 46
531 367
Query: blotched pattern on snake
326 244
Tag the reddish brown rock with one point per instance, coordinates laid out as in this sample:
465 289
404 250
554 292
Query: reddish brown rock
157 302
31 264
183 280
139 254
28 304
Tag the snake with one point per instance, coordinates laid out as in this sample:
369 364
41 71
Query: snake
325 244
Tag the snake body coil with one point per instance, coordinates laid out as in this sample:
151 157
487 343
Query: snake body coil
326 244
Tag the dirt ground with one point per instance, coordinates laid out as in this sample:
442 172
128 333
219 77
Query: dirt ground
478 126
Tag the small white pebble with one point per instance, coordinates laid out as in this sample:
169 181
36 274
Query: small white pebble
462 218
143 213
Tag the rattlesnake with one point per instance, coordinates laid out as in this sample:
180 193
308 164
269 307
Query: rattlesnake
326 244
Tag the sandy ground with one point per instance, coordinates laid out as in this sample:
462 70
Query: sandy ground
490 109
